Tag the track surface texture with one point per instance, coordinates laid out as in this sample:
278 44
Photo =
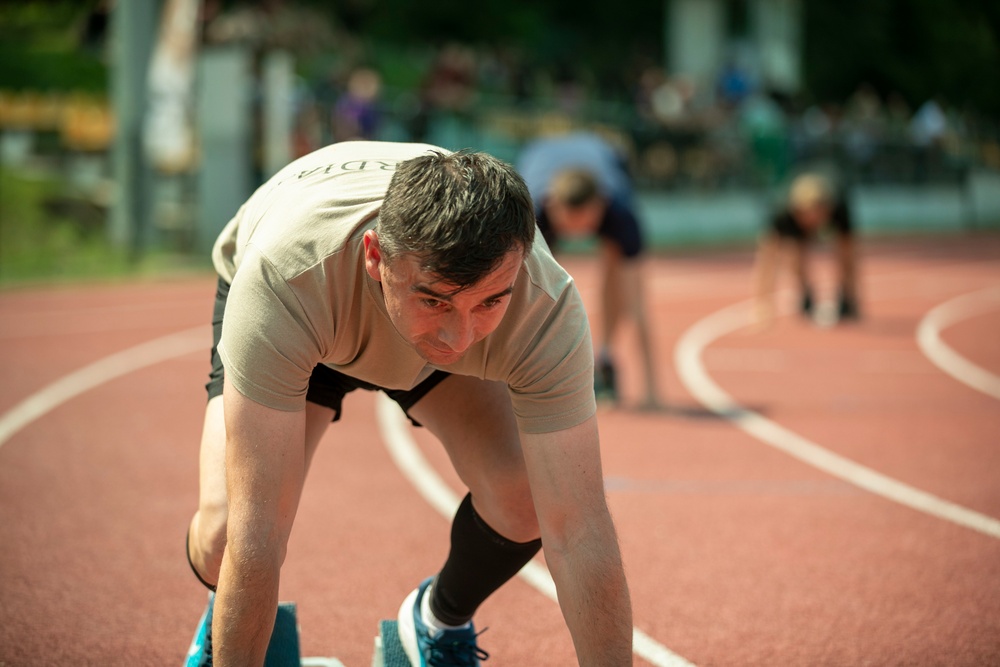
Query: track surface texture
740 548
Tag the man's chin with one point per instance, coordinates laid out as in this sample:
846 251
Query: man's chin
438 357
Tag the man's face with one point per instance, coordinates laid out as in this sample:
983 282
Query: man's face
812 216
438 322
575 221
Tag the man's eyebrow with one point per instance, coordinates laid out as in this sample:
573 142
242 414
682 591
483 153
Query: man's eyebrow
447 296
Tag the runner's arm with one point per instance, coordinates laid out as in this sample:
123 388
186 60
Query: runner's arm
624 290
265 450
581 547
847 262
765 271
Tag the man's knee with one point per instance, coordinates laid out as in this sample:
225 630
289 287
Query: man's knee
206 543
507 506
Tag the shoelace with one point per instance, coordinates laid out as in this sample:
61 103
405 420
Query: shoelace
206 657
456 652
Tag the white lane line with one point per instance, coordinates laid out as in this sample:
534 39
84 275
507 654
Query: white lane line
84 379
687 357
106 369
942 355
404 451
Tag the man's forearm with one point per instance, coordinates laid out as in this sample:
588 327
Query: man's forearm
612 297
580 544
594 597
848 268
245 607
634 291
765 267
265 468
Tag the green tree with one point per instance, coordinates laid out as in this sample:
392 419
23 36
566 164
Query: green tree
920 48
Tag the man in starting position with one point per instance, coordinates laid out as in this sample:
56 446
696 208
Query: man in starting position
411 270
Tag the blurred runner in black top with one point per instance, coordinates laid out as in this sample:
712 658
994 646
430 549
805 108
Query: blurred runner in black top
812 206
581 188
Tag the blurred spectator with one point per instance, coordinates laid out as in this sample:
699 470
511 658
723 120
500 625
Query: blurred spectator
929 124
451 83
898 116
734 84
864 126
569 91
928 132
449 86
357 114
308 132
764 124
815 127
667 101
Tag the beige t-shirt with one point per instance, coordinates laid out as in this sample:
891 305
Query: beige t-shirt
300 296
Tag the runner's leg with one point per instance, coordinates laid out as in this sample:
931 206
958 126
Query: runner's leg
207 531
495 531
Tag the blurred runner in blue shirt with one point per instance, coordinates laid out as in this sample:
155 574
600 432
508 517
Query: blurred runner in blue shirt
581 188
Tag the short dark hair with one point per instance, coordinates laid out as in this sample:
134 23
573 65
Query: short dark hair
459 213
574 187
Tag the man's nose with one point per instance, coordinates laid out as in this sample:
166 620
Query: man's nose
458 332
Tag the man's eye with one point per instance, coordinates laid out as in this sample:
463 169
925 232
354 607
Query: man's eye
432 303
492 303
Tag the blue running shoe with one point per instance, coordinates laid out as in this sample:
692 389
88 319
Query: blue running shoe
447 648
605 383
200 652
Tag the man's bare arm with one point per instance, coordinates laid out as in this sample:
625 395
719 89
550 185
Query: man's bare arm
612 295
634 290
581 547
765 270
847 261
265 468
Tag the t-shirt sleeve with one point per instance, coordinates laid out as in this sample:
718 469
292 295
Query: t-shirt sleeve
269 344
552 385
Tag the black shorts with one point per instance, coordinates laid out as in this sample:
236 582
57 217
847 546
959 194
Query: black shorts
327 387
783 223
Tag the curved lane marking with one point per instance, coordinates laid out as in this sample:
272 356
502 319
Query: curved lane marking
113 366
944 356
392 426
687 357
406 454
103 370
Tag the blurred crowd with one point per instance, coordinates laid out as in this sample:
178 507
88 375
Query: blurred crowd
679 132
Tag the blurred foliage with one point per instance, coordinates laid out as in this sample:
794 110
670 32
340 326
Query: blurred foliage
48 233
584 29
599 36
920 48
54 45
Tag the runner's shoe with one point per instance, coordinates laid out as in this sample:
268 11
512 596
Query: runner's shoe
605 384
200 652
806 303
446 648
847 308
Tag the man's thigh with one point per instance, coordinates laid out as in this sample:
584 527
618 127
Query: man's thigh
474 420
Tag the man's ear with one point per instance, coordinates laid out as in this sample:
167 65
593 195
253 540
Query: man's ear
373 255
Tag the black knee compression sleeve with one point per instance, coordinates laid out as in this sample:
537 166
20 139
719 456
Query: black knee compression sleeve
187 552
480 561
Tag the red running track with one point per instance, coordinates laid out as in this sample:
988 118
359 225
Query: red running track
737 553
